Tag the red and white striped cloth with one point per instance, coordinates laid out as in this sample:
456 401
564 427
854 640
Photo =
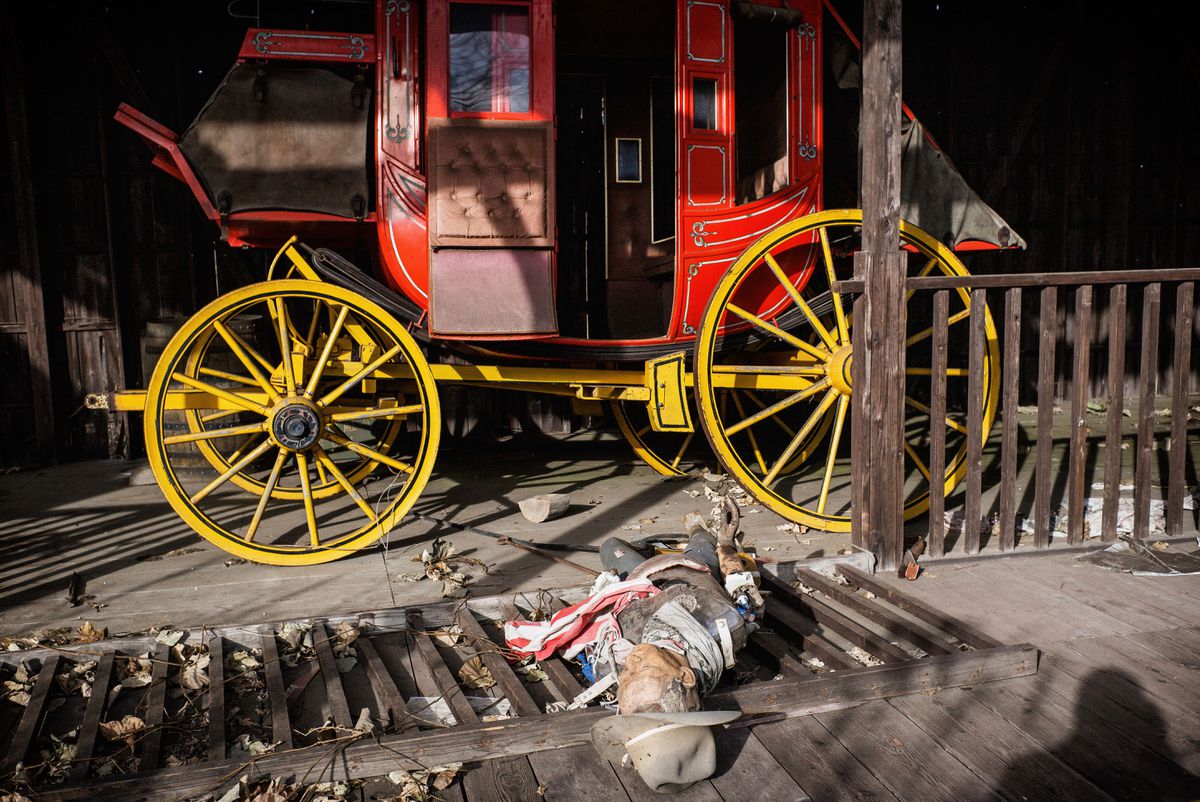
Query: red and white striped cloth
578 624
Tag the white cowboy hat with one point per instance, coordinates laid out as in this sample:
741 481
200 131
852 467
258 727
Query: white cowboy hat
669 751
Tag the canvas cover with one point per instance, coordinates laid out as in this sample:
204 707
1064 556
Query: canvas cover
297 141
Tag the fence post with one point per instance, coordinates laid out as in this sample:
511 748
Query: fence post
880 344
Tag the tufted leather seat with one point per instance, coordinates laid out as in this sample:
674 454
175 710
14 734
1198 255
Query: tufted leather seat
489 183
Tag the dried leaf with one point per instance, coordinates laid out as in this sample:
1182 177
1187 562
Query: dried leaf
19 697
531 673
1160 545
169 637
90 634
449 636
474 674
193 675
127 729
345 633
242 660
346 663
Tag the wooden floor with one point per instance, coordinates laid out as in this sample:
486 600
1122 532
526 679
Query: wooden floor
1113 712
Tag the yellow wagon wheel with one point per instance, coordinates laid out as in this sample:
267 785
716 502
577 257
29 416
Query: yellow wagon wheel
306 423
757 333
213 361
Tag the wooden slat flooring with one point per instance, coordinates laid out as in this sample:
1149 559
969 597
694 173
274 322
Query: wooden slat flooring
1109 715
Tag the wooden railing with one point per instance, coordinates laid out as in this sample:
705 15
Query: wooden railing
1013 311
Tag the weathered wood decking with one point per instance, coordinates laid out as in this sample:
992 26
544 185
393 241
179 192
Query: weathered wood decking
1111 714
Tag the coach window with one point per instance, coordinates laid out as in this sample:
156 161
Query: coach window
760 87
489 59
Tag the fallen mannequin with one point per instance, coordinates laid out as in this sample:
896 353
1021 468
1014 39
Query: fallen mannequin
662 630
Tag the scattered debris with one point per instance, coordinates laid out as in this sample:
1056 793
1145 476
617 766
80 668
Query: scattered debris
449 636
530 672
19 686
417 786
127 729
474 674
88 633
1135 557
441 564
545 507
909 569
864 657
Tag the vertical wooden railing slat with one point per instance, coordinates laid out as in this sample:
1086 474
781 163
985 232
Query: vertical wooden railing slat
335 693
1044 482
1177 457
281 723
1113 454
1151 305
156 701
1077 462
975 433
216 698
1009 378
85 742
937 428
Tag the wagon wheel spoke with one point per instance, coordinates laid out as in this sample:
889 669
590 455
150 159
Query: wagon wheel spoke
776 408
950 372
212 434
235 468
779 421
758 455
787 337
219 415
922 273
926 333
272 480
843 325
227 376
377 413
247 356
809 425
334 332
237 400
950 422
839 424
310 514
337 393
916 459
323 459
283 331
359 448
799 301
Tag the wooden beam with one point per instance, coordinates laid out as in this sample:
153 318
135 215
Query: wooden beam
882 267
1147 389
1177 458
522 736
1113 455
18 747
281 725
1077 461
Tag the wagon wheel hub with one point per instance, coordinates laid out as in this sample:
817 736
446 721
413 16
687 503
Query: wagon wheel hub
296 424
839 367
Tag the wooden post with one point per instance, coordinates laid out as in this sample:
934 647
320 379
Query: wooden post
880 347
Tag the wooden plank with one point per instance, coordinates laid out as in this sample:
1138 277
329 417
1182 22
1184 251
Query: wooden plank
777 647
281 722
883 268
576 774
1147 387
506 679
520 736
1080 727
827 617
902 755
1077 457
811 640
216 698
335 693
391 701
1141 671
428 666
31 716
893 624
1177 459
937 434
85 742
814 757
995 749
1044 480
1113 453
506 780
951 626
743 763
1010 376
156 702
975 433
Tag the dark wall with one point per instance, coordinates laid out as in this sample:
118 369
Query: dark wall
1080 129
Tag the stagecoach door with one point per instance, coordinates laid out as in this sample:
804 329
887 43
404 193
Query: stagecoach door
490 169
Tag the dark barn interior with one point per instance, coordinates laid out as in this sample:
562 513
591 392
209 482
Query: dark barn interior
1078 131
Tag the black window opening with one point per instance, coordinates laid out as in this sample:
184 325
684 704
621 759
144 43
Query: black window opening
662 157
760 94
704 104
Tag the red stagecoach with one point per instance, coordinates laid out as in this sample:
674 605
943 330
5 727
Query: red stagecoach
619 202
